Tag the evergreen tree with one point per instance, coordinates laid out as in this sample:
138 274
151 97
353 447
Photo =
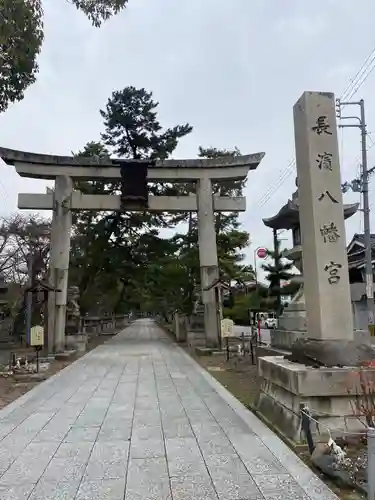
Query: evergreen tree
113 251
278 271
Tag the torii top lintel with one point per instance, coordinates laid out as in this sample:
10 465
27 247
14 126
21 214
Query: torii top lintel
42 166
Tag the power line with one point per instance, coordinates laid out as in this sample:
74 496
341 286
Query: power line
285 174
351 89
361 76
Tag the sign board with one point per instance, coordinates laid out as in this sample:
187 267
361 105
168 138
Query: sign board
36 336
227 327
262 253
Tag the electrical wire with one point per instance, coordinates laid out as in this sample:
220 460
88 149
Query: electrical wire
361 76
351 89
356 76
285 174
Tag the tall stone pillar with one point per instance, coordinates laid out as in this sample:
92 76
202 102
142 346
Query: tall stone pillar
208 259
325 263
52 281
60 255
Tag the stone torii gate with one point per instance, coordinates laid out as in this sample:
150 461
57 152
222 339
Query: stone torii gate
64 199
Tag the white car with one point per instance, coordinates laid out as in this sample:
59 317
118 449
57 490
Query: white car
270 323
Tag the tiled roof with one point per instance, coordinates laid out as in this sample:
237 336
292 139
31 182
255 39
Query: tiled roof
361 237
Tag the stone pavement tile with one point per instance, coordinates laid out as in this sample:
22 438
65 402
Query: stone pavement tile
55 430
106 489
177 427
32 424
148 480
79 434
147 448
315 488
90 418
206 428
10 449
147 403
117 410
186 466
255 455
16 491
115 428
182 447
280 486
61 470
193 404
107 461
194 487
75 453
30 464
172 410
146 418
184 457
147 432
201 417
5 429
100 403
59 490
233 463
68 414
233 423
230 478
215 445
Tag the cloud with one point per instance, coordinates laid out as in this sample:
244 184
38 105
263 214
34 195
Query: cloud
232 69
307 29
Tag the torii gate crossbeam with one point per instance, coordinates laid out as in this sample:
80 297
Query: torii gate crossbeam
64 200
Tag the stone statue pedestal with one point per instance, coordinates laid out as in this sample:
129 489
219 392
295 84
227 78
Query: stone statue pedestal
196 336
327 392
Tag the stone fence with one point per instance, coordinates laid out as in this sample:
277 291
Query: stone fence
103 324
95 325
188 329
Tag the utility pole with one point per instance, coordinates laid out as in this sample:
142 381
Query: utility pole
363 188
276 249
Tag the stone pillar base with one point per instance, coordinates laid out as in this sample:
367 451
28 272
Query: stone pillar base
332 352
196 338
285 386
77 342
284 339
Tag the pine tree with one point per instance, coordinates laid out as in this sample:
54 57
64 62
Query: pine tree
277 272
112 251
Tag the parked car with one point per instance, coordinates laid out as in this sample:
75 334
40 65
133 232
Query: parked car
270 323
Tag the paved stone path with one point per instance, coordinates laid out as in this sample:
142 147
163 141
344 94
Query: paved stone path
137 419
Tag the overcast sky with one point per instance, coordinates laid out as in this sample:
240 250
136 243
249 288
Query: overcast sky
232 69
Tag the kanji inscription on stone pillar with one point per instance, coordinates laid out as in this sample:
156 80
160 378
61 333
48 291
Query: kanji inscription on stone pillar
325 264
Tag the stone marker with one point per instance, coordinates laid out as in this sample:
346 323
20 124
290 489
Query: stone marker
290 382
321 209
330 335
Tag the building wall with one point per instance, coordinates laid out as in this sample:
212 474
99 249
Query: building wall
360 315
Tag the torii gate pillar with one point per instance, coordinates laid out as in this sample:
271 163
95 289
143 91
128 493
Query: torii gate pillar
59 263
208 261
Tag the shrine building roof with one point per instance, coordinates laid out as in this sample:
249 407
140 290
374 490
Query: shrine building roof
288 215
